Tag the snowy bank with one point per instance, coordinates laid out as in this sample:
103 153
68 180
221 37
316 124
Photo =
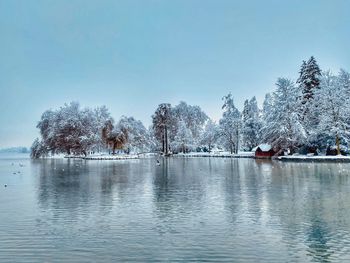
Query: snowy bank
104 157
217 154
111 157
319 158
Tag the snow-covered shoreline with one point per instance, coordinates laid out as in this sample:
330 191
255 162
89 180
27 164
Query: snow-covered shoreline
104 157
319 158
251 155
218 154
295 158
112 157
179 155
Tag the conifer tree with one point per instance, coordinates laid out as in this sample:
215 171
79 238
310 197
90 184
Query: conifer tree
309 79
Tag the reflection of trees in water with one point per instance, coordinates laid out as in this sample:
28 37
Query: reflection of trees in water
90 198
59 184
307 204
232 189
114 179
255 186
161 186
74 185
318 236
311 202
245 189
110 176
178 190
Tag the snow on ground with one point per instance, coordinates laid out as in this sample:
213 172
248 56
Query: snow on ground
320 158
216 154
104 156
55 156
111 157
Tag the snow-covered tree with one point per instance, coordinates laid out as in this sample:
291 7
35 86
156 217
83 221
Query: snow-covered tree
138 136
163 124
283 128
72 130
309 79
251 124
210 135
183 141
46 127
267 105
100 120
344 81
309 83
64 129
230 125
266 112
193 117
37 149
333 106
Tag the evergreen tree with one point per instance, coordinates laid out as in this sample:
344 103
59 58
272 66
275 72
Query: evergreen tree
230 124
333 128
309 83
267 107
344 81
309 79
282 128
251 124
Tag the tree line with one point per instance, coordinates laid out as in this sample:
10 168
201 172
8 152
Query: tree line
310 115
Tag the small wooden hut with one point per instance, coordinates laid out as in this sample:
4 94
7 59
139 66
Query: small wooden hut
264 151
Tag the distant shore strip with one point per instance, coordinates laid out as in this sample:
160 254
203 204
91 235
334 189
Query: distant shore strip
296 158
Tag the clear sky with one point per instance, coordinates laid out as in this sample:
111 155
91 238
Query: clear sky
132 55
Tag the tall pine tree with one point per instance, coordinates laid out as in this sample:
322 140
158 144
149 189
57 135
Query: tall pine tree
251 124
309 79
230 124
309 83
283 129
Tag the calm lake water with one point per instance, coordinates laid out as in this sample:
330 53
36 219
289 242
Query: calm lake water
195 209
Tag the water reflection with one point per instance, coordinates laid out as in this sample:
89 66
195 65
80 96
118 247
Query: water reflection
185 209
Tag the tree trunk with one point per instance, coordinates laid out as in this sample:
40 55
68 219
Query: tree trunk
337 141
166 141
114 146
163 141
237 142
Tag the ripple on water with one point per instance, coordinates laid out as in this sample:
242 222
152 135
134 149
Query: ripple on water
201 210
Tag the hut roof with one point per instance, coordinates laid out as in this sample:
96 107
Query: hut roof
263 147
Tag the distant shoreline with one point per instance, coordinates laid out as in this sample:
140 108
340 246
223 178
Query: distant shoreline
322 158
246 155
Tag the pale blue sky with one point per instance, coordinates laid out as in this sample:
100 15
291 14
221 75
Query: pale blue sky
133 55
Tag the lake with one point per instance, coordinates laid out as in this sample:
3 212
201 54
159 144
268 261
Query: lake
186 209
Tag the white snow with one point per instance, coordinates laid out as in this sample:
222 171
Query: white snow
315 158
264 147
111 157
217 154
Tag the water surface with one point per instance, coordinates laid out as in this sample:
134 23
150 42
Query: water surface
194 209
